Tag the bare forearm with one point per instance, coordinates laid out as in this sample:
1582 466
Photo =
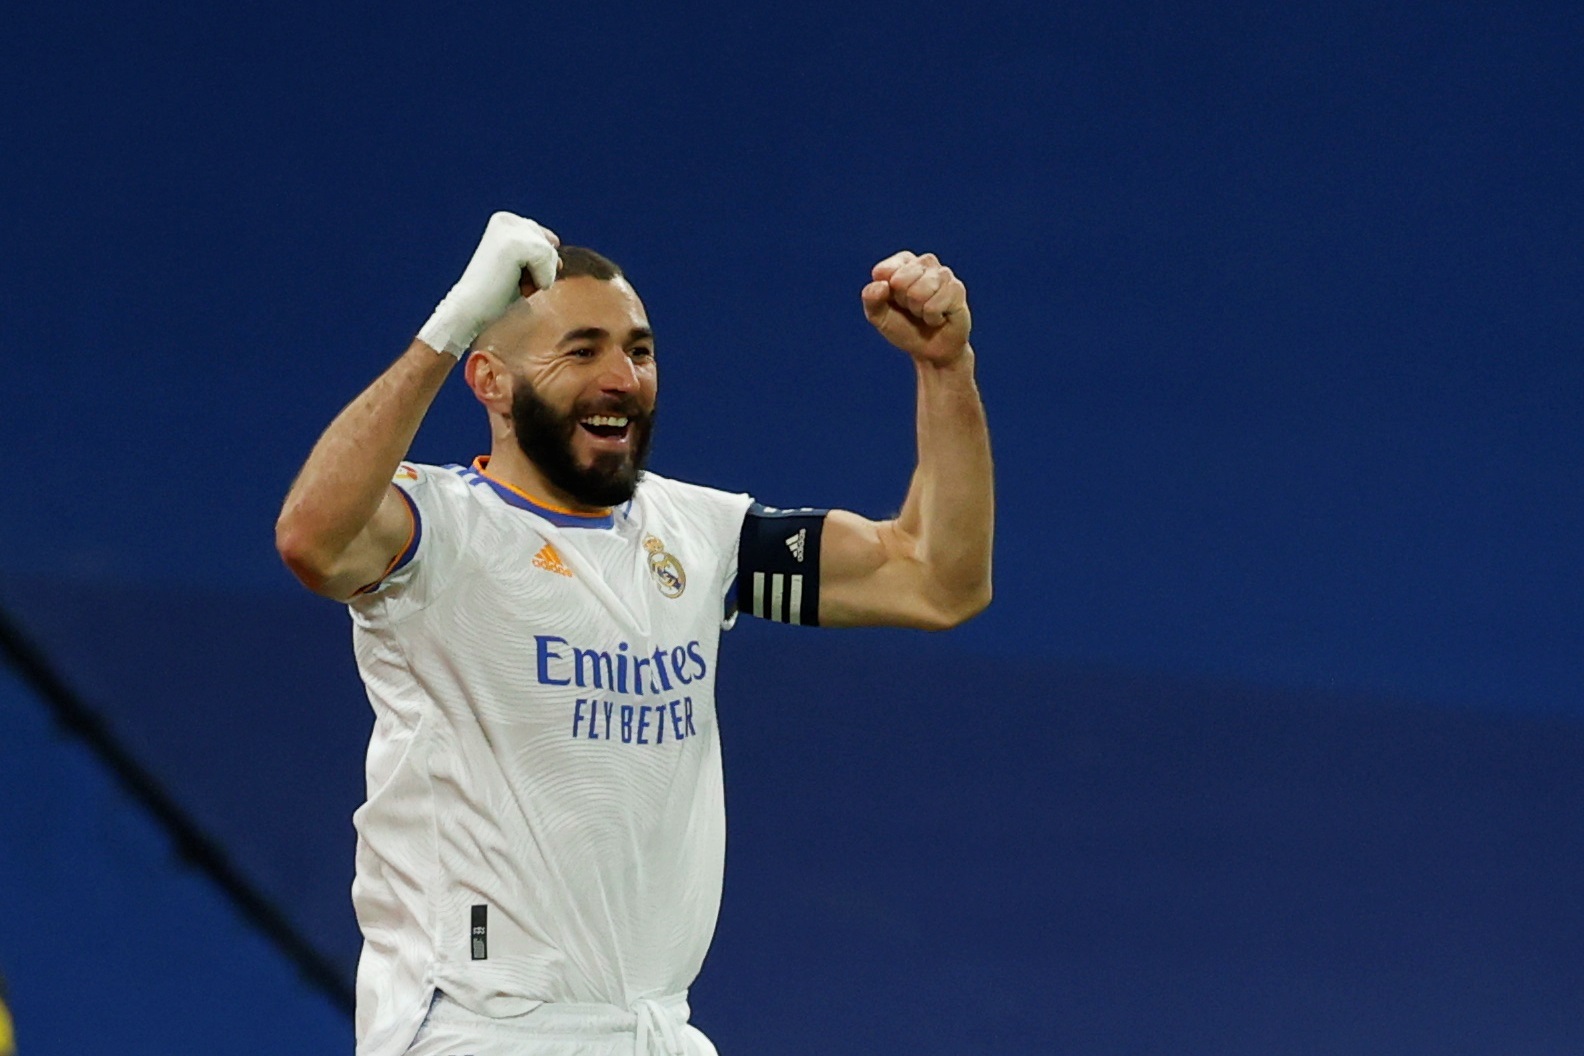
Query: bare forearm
930 566
348 472
950 508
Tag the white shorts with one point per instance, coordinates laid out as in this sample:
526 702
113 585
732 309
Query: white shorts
657 1027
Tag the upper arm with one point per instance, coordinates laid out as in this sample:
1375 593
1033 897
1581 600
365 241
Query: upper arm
384 543
873 574
836 569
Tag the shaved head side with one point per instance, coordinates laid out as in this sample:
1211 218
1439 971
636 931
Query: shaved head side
509 331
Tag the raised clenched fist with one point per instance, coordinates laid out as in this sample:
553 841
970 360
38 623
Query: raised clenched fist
919 306
514 256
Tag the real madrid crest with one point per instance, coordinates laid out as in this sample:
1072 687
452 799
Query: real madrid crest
666 569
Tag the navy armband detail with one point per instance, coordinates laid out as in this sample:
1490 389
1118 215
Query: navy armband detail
778 557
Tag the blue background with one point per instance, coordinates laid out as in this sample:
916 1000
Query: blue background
1268 742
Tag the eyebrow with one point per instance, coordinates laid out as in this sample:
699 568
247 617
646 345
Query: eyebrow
598 333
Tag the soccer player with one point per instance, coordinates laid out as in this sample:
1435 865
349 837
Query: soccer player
540 857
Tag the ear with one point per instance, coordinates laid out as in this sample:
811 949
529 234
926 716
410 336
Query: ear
491 382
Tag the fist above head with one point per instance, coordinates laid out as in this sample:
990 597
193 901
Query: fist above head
920 306
515 257
528 244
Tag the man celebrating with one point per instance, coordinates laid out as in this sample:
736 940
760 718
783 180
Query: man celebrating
540 857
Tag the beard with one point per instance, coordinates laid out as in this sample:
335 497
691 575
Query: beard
545 435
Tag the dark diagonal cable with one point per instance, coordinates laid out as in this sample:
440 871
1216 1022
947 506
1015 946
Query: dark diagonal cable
192 843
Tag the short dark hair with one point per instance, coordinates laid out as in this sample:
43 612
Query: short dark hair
582 262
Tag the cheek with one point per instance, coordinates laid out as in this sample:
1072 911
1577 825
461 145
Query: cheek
557 385
547 374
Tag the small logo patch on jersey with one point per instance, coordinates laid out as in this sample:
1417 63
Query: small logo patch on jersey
550 561
479 932
406 472
665 568
795 543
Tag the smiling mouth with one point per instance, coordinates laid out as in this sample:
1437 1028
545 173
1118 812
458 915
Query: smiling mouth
610 427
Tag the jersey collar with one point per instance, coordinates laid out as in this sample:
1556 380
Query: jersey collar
556 515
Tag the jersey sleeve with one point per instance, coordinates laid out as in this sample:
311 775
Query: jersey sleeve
434 542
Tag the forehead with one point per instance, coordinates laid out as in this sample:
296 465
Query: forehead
569 310
582 304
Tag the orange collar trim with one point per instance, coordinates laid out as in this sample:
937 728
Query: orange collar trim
481 467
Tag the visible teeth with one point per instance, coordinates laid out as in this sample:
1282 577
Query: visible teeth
606 419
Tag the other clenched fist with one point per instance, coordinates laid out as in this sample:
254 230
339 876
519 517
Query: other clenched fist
514 257
919 306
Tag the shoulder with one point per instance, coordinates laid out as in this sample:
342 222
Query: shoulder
699 519
654 485
452 500
422 474
437 486
693 502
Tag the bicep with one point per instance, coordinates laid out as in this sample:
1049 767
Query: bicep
833 568
871 575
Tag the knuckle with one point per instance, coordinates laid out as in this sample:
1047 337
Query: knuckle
505 221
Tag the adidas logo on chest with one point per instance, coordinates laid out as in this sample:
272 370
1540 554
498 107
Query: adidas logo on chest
550 560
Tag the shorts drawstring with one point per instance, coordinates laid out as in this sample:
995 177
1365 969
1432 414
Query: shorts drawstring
657 1033
649 1026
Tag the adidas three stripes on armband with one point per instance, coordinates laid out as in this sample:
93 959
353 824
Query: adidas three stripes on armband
778 564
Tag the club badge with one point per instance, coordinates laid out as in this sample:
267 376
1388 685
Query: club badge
667 570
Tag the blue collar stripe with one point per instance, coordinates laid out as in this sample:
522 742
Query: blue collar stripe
555 517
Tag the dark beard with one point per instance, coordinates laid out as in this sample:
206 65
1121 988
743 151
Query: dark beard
545 436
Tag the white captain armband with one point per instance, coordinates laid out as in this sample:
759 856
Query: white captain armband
778 557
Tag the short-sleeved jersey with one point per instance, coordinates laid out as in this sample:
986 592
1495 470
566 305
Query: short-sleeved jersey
544 819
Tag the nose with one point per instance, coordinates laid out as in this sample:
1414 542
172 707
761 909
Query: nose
619 373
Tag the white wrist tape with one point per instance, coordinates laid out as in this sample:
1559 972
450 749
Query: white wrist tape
489 284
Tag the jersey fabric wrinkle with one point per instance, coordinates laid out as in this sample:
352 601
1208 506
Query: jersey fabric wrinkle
545 747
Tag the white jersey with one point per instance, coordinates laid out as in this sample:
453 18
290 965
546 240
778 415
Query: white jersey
544 820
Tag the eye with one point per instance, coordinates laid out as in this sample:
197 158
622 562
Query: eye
583 353
641 352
